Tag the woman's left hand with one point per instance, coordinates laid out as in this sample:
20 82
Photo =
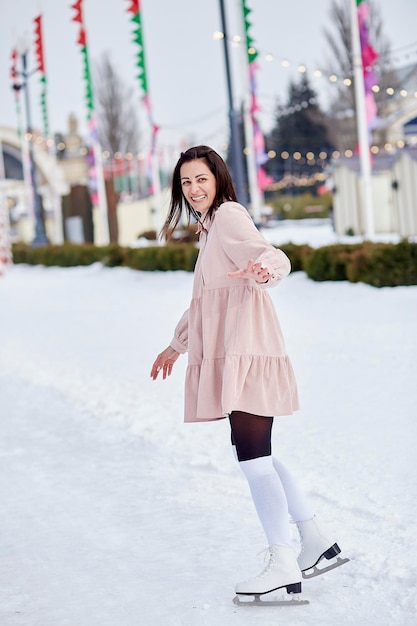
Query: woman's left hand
254 270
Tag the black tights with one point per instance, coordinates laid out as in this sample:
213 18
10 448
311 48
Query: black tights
251 434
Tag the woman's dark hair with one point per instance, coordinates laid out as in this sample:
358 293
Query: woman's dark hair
224 187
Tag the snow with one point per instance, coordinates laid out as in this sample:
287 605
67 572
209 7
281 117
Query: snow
315 232
115 513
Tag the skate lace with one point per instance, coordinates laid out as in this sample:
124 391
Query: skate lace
302 544
268 552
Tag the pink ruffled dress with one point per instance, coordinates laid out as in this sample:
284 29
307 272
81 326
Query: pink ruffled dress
236 352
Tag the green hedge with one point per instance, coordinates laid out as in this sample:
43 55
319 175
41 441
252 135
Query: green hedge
152 258
162 258
296 254
66 255
387 265
376 264
329 262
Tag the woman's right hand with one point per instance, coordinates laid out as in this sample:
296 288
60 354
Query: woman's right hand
164 362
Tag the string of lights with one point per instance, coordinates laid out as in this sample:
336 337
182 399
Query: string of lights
292 180
332 78
309 157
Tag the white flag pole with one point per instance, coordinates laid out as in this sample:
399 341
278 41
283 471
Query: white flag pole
256 196
362 126
101 193
254 191
5 242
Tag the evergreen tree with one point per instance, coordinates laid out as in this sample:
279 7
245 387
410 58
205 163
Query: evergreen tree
301 130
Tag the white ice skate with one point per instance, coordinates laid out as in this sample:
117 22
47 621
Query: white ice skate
281 572
314 548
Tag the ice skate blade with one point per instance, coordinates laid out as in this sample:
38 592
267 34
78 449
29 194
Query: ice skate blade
258 602
317 571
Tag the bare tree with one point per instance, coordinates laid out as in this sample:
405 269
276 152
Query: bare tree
116 109
117 124
339 40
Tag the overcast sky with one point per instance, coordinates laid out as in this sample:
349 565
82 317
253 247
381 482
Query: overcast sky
185 65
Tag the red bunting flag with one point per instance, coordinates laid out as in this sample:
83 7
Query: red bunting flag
369 57
77 6
40 59
13 68
136 19
82 38
39 44
257 140
14 75
134 7
82 42
94 157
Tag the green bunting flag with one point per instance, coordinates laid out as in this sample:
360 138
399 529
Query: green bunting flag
82 42
136 19
251 50
40 59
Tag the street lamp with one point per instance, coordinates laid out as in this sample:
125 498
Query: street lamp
40 238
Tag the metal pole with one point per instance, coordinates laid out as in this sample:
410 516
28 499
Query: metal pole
235 142
40 238
362 126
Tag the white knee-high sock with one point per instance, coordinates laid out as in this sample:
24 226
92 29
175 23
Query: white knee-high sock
269 498
298 505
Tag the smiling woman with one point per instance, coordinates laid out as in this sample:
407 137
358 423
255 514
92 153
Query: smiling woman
238 367
198 185
218 184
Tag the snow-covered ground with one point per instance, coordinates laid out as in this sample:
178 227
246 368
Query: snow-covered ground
315 232
115 513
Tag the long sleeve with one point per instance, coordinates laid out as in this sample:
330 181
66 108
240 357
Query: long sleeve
241 241
180 339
